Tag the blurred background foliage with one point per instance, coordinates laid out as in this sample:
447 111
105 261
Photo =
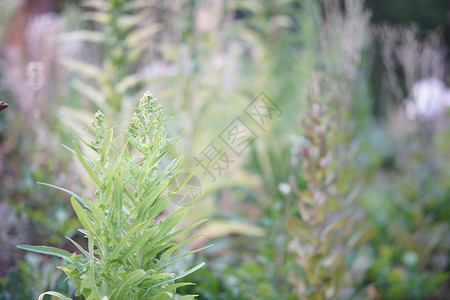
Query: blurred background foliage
343 192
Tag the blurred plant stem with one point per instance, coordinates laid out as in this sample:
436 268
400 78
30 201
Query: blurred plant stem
109 84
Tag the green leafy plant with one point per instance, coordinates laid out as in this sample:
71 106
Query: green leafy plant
129 243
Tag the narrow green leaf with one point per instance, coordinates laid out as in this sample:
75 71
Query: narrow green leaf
333 226
181 231
187 297
129 280
105 201
96 213
84 142
86 166
82 35
182 255
128 82
169 223
137 243
150 251
133 142
88 283
106 146
97 16
139 35
180 275
177 285
360 236
135 53
146 204
86 203
47 250
53 294
118 163
158 207
181 244
78 246
170 147
159 276
299 229
164 296
117 201
80 67
130 196
84 219
122 242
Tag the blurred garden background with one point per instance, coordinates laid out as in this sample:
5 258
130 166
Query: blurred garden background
320 130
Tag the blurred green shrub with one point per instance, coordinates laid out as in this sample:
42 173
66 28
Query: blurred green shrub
411 217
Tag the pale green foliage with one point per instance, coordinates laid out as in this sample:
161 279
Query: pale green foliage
128 249
122 37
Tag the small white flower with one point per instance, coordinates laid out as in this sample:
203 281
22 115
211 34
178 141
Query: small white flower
284 188
430 97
